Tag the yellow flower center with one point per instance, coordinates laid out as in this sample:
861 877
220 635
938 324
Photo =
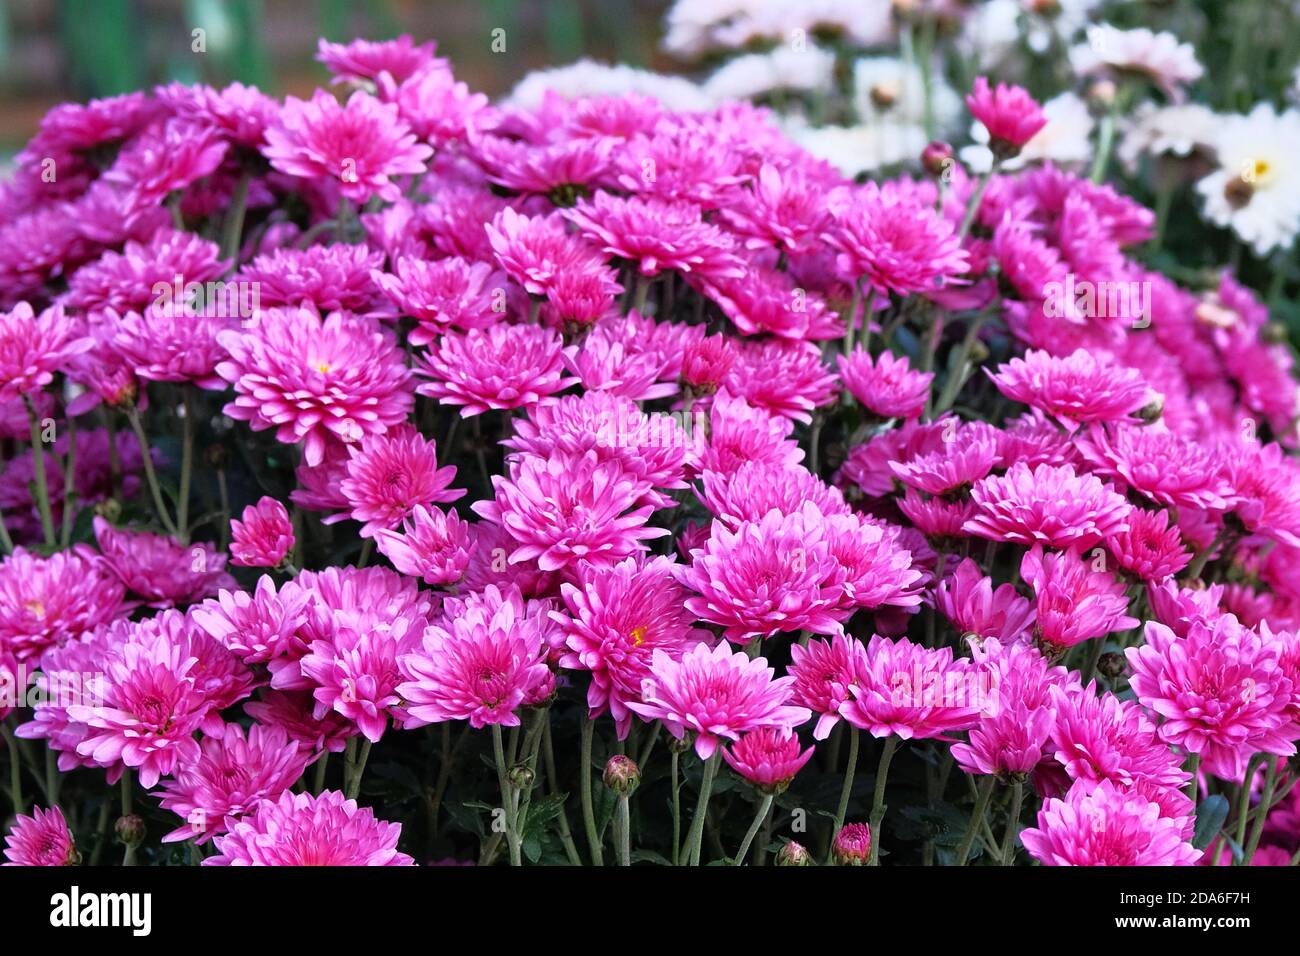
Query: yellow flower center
638 636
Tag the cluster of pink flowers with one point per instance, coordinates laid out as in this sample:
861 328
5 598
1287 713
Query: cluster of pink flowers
599 409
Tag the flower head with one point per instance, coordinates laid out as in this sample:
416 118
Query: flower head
1107 825
264 537
34 347
1046 505
1008 112
433 545
886 386
390 474
49 601
40 840
973 606
502 366
1078 389
912 692
1075 601
161 570
768 757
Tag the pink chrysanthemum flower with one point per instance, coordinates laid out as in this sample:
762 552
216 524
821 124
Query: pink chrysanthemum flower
852 845
716 693
657 236
389 474
433 545
757 487
41 840
936 517
824 673
887 237
604 363
299 829
913 692
449 293
151 707
962 462
34 347
560 170
874 568
400 58
293 712
766 301
355 670
563 509
869 465
1150 548
330 277
616 618
973 606
1046 505
1266 485
886 385
786 378
1107 826
48 601
786 208
707 361
1076 390
1220 690
1075 601
1008 112
360 145
162 571
579 298
739 432
437 107
164 159
1160 465
479 664
263 537
241 113
1016 718
132 279
1098 737
503 366
256 627
771 575
230 776
313 379
535 250
768 758
163 345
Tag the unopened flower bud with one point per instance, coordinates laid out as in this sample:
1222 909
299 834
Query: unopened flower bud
1102 93
1111 665
622 775
521 777
936 158
1152 410
793 854
853 845
110 509
130 830
884 94
679 745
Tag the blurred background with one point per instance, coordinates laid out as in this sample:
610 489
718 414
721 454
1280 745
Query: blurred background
57 50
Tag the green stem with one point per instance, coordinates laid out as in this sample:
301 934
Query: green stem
878 798
623 830
1192 766
973 205
15 771
846 790
150 476
507 797
318 779
976 818
187 471
233 228
5 539
128 808
1105 141
553 777
764 807
695 838
1198 563
677 808
356 769
1261 812
1013 823
38 466
588 814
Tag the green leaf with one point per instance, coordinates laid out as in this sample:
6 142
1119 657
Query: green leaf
1209 820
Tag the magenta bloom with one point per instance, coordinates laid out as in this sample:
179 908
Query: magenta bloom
961 462
913 692
128 281
172 344
886 385
604 363
360 145
480 663
448 293
1075 602
263 537
327 277
392 473
162 571
973 606
786 209
1107 825
256 627
617 617
657 236
1150 548
48 601
1220 690
535 250
433 545
1008 112
716 693
1047 505
757 487
1100 737
313 379
824 673
888 237
785 378
33 348
563 509
740 432
41 840
292 711
768 757
502 366
303 830
767 576
229 778
852 846
1078 389
400 58
1160 465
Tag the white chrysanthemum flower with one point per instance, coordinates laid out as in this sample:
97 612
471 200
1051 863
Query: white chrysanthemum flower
589 78
992 32
1159 57
694 27
1167 131
1065 140
1256 189
893 90
854 150
804 68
